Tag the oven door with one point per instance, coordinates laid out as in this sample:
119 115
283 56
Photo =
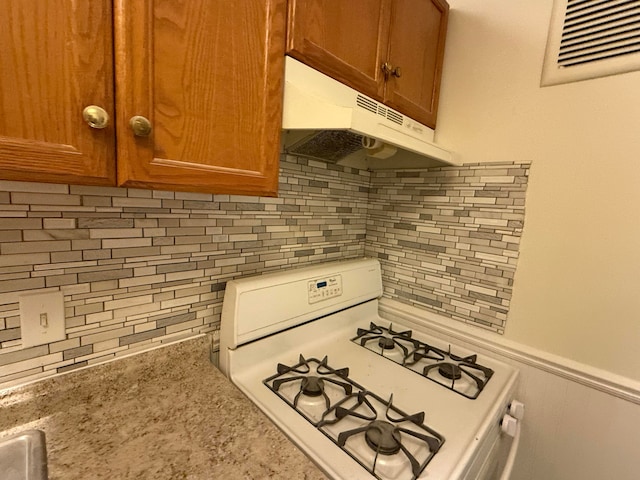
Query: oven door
486 465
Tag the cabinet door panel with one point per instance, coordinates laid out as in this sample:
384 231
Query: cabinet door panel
345 40
56 58
209 76
416 45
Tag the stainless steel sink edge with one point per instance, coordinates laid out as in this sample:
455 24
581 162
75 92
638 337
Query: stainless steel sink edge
23 456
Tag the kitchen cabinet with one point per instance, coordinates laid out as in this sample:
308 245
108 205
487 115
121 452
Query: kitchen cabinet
54 61
193 90
209 77
345 40
390 50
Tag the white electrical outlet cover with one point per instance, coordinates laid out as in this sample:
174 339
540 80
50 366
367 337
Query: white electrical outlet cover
34 330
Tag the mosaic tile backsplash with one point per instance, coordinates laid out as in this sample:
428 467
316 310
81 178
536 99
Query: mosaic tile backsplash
141 267
448 238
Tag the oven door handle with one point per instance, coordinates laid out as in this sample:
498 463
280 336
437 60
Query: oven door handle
513 450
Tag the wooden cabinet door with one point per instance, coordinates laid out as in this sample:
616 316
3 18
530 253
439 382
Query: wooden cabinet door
416 45
55 59
209 77
343 39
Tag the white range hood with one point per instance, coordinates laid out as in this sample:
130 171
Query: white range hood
328 120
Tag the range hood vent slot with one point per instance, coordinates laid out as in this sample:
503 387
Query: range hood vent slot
367 104
395 117
379 109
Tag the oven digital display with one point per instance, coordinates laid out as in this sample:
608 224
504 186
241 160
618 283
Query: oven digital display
321 289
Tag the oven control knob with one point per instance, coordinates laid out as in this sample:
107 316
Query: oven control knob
509 425
516 409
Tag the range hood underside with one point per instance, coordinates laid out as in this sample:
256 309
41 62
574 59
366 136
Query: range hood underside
344 147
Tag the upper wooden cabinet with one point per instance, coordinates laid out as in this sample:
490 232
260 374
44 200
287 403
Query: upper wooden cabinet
207 76
345 40
55 59
390 50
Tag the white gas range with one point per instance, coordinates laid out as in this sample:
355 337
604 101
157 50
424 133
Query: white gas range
363 398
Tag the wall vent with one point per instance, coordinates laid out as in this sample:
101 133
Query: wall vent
591 39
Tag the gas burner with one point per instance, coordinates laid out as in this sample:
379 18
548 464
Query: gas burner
460 374
393 345
311 387
383 439
387 343
450 371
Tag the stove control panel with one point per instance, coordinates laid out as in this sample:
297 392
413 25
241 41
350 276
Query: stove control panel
324 288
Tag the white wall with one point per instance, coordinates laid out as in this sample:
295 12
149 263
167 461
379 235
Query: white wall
577 287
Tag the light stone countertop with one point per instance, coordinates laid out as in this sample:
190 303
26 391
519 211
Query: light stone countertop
164 414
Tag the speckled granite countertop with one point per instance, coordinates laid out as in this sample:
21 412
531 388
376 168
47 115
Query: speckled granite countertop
164 414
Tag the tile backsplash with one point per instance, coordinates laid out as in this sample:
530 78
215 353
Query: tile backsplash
448 238
138 267
141 267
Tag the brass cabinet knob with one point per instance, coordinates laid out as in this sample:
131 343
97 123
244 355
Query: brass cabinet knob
389 70
96 117
386 69
140 125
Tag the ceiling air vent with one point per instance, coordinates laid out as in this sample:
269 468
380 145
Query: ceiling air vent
590 39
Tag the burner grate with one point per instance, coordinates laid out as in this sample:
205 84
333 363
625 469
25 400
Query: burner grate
311 387
386 342
463 375
387 442
383 439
